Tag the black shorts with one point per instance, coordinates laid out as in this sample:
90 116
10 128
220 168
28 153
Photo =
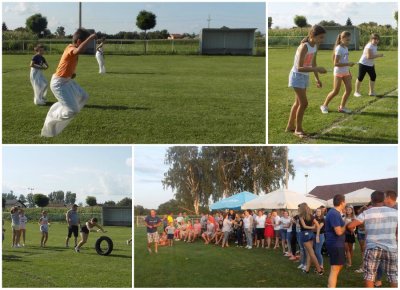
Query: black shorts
336 255
363 69
349 238
84 229
170 236
260 233
74 230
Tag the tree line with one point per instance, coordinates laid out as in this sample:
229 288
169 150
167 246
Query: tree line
59 197
198 175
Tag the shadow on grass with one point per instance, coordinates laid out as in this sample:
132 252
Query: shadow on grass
12 258
356 139
132 73
377 114
112 255
111 107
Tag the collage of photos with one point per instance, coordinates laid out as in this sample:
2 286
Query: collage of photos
199 144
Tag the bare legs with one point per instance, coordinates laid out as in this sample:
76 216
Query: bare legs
336 89
300 104
43 241
333 275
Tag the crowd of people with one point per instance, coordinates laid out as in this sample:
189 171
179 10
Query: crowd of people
303 236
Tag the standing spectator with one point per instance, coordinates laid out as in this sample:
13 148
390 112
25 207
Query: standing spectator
319 238
350 238
22 225
277 227
16 233
248 228
232 215
334 233
152 222
254 215
293 240
285 225
303 256
307 224
73 222
260 226
226 230
381 245
269 229
239 230
361 240
170 230
390 201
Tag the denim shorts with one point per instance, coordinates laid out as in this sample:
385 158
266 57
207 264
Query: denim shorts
306 236
361 236
298 80
283 233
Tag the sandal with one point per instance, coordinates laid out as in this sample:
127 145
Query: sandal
301 135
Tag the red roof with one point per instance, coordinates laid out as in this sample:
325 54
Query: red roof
326 192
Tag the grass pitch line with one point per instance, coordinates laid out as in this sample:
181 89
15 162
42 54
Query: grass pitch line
337 123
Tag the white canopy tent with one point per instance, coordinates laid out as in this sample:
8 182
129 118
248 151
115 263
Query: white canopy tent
359 197
283 198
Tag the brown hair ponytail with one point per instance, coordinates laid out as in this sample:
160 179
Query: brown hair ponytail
313 32
339 40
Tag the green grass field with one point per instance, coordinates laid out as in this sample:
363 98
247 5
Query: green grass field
146 99
58 266
199 265
374 120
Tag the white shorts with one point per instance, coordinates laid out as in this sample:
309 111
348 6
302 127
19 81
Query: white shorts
298 80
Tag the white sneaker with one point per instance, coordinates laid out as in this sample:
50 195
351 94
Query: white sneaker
304 267
250 248
300 266
77 249
324 109
344 110
357 94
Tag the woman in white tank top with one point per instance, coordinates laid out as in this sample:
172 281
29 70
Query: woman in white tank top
304 63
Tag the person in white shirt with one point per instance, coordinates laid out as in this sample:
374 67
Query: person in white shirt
260 227
366 65
341 73
277 227
248 229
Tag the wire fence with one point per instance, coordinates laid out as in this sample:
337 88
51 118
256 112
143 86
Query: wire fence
389 42
121 46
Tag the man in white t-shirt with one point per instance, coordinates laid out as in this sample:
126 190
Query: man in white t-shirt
260 226
276 220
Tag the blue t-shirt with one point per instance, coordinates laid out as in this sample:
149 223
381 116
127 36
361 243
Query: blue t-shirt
152 221
38 59
333 219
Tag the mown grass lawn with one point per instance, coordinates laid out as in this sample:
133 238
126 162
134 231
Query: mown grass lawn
146 99
374 120
198 265
58 266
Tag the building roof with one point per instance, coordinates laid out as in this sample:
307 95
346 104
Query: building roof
326 192
229 29
14 202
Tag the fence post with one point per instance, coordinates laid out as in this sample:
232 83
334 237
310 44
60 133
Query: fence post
23 46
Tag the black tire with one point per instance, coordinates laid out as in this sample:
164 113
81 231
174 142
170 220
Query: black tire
101 251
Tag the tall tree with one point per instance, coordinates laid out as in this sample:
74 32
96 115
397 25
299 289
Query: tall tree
60 31
300 21
70 197
125 202
109 203
349 22
91 200
40 200
145 21
269 22
57 196
328 23
10 195
4 27
37 24
29 199
22 198
396 14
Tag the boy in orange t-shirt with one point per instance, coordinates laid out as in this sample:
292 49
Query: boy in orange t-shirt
71 97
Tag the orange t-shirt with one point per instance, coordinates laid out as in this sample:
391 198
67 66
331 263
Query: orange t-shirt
68 63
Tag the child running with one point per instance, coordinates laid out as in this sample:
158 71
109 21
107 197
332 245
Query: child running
22 225
71 97
85 230
366 64
44 229
341 73
305 61
38 81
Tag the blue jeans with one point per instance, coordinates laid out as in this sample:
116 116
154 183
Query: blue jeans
249 237
318 248
303 257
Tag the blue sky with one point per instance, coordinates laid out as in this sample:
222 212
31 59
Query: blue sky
104 172
121 16
381 12
324 165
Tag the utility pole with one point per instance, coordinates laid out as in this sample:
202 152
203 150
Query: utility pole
209 20
80 14
306 176
287 168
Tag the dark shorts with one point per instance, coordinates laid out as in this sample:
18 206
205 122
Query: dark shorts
73 230
306 236
170 236
361 236
85 230
364 69
336 255
350 239
277 233
260 233
283 233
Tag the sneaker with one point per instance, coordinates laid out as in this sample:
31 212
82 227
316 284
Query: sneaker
373 94
361 270
304 267
344 110
324 109
300 266
77 249
250 248
357 94
286 254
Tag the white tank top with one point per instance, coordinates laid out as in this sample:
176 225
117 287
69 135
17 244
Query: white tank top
308 59
364 60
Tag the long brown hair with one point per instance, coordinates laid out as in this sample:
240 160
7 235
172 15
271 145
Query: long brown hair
339 38
373 36
305 211
313 32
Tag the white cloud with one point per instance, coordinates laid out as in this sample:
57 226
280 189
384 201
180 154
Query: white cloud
311 161
128 162
22 8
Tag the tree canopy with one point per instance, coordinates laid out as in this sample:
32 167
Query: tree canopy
37 24
300 21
